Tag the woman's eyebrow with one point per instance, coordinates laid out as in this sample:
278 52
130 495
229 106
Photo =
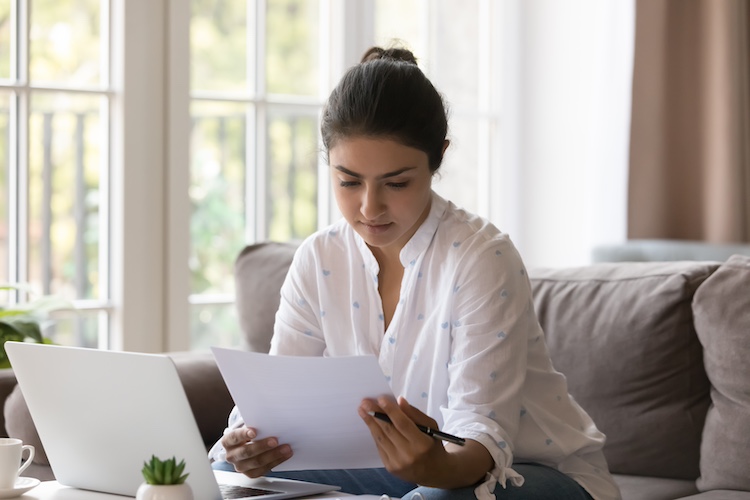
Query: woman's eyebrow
400 171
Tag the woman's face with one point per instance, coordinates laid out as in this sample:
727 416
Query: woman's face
383 189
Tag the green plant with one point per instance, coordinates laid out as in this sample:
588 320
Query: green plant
164 472
24 321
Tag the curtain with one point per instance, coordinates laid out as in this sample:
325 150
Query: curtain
689 168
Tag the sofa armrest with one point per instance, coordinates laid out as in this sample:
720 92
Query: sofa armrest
7 384
207 394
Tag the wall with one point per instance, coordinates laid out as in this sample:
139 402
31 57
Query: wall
567 130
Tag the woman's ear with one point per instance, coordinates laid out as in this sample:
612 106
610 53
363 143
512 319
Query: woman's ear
446 143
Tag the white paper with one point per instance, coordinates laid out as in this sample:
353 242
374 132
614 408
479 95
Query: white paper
310 403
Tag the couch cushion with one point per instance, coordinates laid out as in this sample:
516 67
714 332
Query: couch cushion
259 272
653 488
623 335
722 320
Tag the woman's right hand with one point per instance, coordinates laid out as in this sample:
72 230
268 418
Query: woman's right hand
254 458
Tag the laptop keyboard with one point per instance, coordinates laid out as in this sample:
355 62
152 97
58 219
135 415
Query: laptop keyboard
231 491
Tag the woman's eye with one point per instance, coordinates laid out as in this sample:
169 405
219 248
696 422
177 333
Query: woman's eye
398 185
346 184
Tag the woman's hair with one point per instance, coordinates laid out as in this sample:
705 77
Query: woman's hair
387 96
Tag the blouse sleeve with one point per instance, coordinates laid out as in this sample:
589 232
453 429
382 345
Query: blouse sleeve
297 328
493 322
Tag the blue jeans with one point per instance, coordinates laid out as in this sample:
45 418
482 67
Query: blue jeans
541 483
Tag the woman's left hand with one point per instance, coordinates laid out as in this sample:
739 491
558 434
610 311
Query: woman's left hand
406 452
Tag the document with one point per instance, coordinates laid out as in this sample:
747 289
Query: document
310 403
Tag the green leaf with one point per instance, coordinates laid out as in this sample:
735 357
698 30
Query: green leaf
26 329
147 475
159 471
164 472
168 470
180 467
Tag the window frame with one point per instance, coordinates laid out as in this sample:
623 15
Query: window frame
149 211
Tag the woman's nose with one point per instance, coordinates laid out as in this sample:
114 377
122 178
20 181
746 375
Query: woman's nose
372 204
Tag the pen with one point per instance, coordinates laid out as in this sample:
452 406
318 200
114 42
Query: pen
444 436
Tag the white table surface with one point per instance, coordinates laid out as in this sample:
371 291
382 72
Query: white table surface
52 490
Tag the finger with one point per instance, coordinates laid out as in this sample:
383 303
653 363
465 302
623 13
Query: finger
251 450
385 446
415 414
406 427
237 437
262 464
384 433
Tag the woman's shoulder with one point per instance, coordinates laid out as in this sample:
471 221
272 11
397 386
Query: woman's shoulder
331 241
470 232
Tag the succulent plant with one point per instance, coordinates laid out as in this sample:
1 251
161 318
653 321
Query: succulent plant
164 472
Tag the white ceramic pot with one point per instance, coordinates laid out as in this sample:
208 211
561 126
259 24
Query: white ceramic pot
164 492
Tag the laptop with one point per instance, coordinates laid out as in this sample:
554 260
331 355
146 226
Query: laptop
101 414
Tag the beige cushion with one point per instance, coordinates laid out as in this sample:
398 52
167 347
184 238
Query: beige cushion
722 320
259 272
623 335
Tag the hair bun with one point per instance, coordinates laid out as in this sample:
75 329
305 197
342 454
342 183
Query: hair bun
393 54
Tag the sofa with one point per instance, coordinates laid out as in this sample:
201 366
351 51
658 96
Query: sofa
656 352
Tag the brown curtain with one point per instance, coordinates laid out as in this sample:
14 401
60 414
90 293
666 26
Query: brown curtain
690 132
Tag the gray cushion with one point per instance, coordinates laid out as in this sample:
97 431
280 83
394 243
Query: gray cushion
623 335
259 272
718 495
722 319
653 488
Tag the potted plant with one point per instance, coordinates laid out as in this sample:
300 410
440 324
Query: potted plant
164 480
25 321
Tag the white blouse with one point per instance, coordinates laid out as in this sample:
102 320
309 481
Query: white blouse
464 344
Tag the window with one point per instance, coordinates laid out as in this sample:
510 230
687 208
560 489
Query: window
258 83
143 143
55 103
255 99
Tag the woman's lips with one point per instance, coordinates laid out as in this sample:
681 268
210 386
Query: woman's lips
376 228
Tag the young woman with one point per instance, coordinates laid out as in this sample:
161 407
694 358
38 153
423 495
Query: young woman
442 298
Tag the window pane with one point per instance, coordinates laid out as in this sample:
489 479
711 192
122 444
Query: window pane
398 21
5 42
292 175
292 47
77 328
65 44
454 70
219 45
457 177
4 193
217 191
214 325
65 154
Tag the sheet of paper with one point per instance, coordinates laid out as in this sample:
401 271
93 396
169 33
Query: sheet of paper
310 403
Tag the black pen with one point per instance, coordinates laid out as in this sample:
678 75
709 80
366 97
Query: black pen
444 436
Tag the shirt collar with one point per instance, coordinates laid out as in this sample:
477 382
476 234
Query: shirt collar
418 242
423 237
